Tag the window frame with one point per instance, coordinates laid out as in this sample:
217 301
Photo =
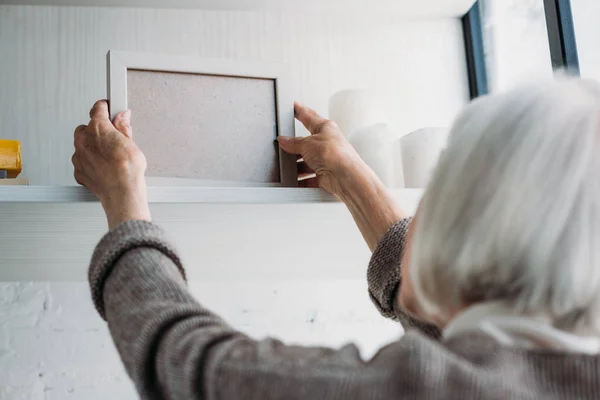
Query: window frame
475 52
561 39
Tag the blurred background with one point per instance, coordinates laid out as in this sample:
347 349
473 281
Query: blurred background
395 73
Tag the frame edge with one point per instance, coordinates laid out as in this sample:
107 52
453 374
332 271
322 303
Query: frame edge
118 62
116 84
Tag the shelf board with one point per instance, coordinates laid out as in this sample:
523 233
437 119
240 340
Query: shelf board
170 194
53 240
406 8
181 195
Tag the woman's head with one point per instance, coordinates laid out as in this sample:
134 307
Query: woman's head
512 211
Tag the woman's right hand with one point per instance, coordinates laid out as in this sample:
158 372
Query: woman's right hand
109 163
326 152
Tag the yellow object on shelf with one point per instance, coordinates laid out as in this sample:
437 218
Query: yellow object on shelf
14 182
10 157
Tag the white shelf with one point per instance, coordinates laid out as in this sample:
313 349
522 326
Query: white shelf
170 194
406 8
182 195
49 234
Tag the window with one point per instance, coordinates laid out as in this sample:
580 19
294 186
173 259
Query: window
586 20
515 41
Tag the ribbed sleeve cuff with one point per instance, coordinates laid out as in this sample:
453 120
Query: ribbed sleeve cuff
124 237
383 275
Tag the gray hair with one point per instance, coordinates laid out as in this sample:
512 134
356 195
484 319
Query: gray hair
512 211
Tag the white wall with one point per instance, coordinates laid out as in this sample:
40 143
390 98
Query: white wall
53 64
52 343
53 346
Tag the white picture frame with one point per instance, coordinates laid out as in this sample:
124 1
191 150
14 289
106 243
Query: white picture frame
118 62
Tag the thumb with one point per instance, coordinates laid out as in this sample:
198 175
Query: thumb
123 123
291 145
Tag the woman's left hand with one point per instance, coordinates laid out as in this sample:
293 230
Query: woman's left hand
111 165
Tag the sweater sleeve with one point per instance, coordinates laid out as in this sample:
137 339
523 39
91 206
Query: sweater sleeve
383 277
173 348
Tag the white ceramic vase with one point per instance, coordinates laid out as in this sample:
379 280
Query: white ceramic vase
420 152
374 144
356 109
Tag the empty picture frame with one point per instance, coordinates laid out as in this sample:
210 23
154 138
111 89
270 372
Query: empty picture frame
206 119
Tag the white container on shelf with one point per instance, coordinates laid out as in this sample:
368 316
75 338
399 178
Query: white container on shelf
398 182
356 109
374 144
420 152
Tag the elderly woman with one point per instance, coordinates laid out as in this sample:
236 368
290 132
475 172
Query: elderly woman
497 280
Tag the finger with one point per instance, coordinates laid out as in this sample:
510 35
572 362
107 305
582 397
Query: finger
291 145
79 177
79 136
80 129
304 169
309 117
77 172
100 110
123 123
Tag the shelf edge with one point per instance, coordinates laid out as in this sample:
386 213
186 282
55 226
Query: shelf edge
227 195
179 195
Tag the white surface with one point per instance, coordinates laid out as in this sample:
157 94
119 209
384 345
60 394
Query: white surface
586 17
356 109
54 346
54 59
54 242
406 8
420 152
375 146
398 167
171 194
516 42
186 182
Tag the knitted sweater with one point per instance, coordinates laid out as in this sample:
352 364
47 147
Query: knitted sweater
174 348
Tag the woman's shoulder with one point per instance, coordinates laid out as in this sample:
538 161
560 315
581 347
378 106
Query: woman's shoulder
476 362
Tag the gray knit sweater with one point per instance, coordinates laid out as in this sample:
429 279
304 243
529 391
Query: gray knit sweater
173 348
